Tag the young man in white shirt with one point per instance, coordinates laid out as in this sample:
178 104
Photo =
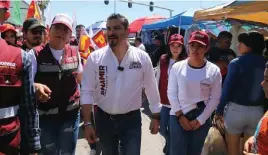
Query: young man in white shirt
115 76
194 90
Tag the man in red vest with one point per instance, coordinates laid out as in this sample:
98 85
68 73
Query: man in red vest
58 66
18 113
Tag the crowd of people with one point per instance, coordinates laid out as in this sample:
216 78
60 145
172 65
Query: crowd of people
212 83
45 83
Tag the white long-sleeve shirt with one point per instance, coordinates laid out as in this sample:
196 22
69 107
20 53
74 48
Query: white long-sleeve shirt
115 91
188 86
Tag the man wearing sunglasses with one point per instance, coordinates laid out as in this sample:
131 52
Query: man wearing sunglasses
34 33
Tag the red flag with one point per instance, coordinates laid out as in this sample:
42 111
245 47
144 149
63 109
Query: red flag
99 39
33 11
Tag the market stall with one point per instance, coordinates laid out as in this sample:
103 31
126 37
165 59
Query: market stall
183 20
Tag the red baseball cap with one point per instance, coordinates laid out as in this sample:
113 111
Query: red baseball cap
6 27
200 37
175 38
4 4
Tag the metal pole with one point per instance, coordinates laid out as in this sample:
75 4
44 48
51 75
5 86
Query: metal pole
114 6
170 13
149 5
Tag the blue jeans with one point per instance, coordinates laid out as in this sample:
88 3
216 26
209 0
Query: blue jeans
119 134
184 142
58 135
164 126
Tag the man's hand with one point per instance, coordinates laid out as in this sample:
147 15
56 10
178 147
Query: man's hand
154 126
42 92
185 123
194 124
90 134
248 145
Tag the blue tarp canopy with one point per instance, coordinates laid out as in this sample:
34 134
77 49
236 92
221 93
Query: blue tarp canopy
184 20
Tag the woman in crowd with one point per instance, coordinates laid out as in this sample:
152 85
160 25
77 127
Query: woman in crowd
175 53
258 144
242 91
194 89
9 33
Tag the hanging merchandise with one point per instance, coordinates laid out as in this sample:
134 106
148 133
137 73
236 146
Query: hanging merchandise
146 37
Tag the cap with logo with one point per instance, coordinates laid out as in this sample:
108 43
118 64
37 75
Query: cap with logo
32 23
7 27
63 19
175 38
200 37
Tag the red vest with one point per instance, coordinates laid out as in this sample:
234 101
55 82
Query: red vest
163 81
11 69
60 78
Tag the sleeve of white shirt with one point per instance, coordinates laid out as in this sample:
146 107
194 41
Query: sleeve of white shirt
88 82
157 74
173 90
150 85
214 98
80 66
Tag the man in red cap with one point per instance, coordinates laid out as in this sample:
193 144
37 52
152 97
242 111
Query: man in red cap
58 66
16 99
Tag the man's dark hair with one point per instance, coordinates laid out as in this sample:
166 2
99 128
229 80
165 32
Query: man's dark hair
225 34
138 39
79 26
254 40
119 16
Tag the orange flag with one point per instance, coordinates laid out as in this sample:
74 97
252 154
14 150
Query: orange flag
85 46
33 11
99 39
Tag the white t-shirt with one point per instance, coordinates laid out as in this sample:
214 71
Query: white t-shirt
119 91
188 86
142 47
57 55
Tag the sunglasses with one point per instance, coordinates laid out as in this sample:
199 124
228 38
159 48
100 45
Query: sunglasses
37 31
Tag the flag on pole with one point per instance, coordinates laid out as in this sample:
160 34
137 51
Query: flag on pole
48 14
85 47
99 39
34 11
74 22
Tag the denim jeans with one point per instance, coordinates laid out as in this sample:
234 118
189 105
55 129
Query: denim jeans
184 142
164 126
119 135
58 135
